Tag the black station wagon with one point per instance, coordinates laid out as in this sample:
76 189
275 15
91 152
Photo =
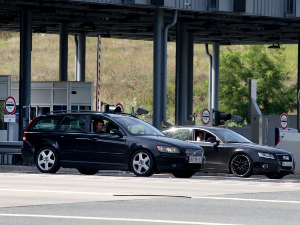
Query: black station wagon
68 139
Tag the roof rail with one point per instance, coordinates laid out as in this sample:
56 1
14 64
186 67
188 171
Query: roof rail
66 111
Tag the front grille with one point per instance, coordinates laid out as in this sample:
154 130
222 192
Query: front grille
286 158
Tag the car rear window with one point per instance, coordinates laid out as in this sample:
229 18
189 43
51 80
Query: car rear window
46 123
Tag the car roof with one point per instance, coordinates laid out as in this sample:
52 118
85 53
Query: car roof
198 127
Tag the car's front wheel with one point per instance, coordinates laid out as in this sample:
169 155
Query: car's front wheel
87 171
183 174
275 176
142 163
47 160
241 165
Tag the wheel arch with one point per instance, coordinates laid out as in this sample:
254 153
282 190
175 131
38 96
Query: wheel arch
241 152
134 151
42 145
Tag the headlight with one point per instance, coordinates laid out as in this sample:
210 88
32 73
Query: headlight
266 155
168 149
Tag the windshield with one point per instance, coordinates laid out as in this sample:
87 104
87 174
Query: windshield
137 126
231 136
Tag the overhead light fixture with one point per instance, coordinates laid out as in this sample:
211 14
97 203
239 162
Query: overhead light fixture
274 46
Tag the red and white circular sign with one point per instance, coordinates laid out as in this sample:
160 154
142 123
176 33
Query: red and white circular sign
205 116
120 106
284 121
10 105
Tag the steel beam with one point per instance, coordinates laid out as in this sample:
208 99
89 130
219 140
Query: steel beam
190 76
63 52
181 70
215 77
157 68
25 70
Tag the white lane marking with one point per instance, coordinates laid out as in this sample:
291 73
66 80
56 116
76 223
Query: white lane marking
147 195
250 200
55 191
113 219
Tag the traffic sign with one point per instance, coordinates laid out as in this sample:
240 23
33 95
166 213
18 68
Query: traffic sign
284 121
119 105
205 116
10 105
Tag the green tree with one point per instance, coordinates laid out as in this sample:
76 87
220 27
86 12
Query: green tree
274 93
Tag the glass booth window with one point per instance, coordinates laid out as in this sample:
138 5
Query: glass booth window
2 112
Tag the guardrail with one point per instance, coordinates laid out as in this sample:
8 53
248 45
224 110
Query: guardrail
11 147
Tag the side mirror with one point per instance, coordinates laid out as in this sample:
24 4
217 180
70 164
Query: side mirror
213 140
117 132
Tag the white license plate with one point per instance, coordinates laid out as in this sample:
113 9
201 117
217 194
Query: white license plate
195 159
288 164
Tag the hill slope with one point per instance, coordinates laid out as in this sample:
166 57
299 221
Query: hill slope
126 67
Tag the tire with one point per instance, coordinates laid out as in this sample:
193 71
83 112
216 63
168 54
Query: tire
87 171
142 163
47 160
241 165
183 174
275 176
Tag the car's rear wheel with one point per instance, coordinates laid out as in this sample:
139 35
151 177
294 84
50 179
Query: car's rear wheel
183 174
87 171
142 163
241 165
47 160
275 176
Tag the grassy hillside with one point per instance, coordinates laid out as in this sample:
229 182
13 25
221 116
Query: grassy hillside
127 67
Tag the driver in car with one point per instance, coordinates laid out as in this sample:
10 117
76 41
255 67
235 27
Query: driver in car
99 124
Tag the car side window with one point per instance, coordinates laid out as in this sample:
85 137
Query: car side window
107 125
47 123
182 134
202 135
73 123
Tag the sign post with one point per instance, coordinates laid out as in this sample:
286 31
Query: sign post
205 116
284 121
10 108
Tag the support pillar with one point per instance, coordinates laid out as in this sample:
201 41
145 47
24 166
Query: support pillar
215 78
181 74
25 70
190 76
63 52
157 68
298 104
80 74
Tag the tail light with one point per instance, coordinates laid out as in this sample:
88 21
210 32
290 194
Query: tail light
24 135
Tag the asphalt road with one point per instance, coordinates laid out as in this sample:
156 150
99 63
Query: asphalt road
29 197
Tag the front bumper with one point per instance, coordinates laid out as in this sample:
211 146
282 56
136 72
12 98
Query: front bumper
272 167
170 162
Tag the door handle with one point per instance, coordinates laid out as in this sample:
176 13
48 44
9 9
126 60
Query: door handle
94 138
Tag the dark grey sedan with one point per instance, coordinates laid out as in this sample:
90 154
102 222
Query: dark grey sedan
229 152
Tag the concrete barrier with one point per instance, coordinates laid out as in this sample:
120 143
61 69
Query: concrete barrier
291 143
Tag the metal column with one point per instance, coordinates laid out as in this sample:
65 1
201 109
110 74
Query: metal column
298 104
157 68
80 74
190 73
181 70
25 70
215 78
63 52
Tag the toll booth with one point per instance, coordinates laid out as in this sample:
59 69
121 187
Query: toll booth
49 96
5 82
